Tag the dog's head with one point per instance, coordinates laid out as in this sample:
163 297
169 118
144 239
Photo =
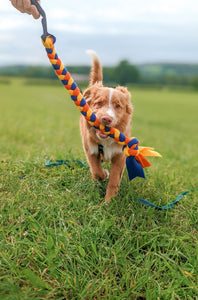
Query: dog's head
111 106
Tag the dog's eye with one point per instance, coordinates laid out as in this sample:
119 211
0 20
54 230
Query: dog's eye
117 106
99 103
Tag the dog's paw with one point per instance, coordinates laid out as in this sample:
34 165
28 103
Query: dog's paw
111 192
106 174
109 196
102 175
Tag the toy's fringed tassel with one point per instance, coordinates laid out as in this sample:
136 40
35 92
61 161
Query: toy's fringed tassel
136 160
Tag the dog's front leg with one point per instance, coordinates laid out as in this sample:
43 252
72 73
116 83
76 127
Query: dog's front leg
96 168
117 168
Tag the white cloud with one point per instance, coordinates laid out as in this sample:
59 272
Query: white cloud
7 25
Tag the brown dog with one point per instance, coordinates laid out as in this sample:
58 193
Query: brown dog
113 108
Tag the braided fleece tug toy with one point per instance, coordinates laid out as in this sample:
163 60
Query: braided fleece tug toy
135 161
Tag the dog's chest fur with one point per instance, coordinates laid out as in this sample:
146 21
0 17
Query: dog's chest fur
110 149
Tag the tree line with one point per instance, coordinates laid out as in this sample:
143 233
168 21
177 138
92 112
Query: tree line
124 73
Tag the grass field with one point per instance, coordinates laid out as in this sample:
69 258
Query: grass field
58 240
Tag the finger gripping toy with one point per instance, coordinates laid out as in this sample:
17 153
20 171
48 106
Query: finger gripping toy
135 160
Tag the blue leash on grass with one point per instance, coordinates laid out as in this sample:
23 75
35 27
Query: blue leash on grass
60 162
170 205
142 201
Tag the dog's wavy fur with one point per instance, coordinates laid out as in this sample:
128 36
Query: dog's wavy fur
112 107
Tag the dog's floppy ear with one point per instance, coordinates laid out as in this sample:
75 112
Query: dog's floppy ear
129 107
87 94
90 92
124 91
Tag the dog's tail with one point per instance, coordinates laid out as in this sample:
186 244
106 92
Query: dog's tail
96 70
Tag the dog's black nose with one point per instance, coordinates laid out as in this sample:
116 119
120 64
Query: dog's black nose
106 120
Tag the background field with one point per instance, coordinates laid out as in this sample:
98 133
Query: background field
57 239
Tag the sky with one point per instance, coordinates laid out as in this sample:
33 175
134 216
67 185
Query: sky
141 31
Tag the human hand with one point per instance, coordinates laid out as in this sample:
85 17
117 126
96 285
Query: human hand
25 6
